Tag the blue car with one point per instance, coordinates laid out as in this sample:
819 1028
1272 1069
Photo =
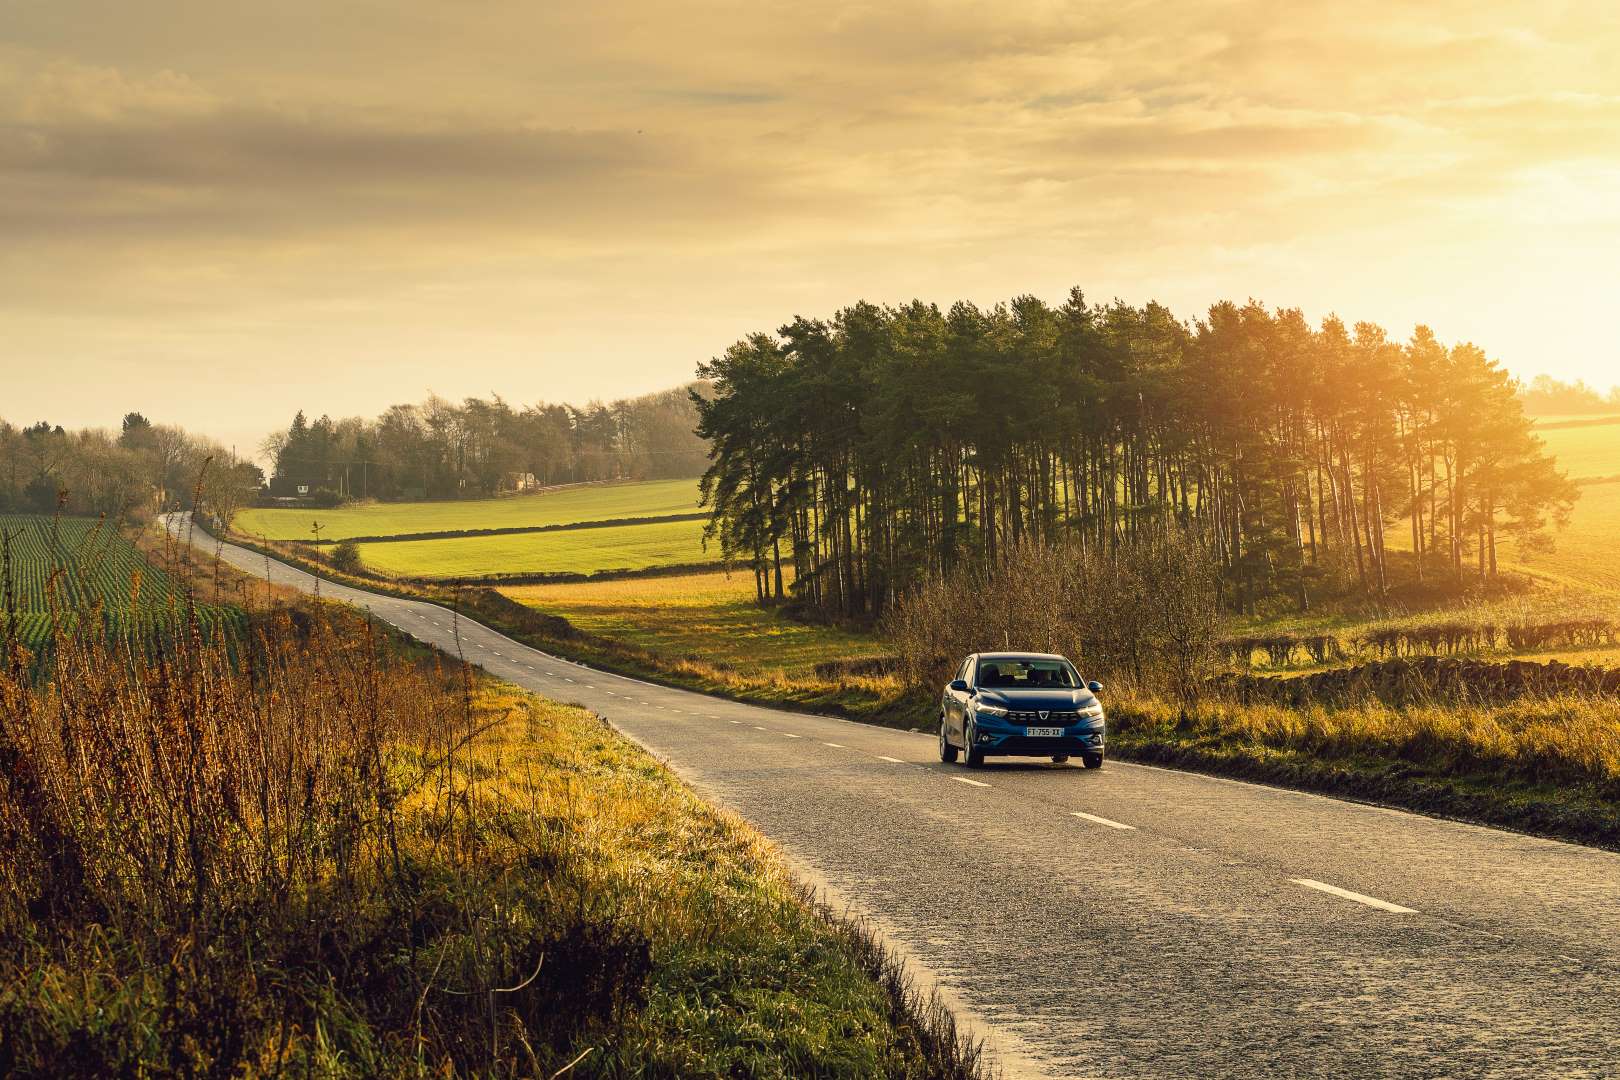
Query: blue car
1020 704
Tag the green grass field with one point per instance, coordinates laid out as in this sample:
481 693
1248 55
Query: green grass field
1585 556
591 502
708 616
576 551
1585 451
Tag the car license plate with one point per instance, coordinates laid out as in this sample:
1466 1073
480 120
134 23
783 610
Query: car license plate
1043 732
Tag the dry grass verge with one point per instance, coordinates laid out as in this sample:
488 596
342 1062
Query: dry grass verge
312 854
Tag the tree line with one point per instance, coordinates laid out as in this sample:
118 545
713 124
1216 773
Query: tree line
442 450
142 469
887 445
1547 396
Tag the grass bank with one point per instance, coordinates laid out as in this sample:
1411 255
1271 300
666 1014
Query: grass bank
710 616
344 860
1549 766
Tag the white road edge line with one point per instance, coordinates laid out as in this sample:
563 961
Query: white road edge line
1103 821
1346 894
965 780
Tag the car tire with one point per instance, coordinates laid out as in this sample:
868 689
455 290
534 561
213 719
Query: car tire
1059 759
971 754
1093 761
947 752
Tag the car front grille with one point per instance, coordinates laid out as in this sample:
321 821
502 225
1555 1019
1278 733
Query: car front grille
1051 719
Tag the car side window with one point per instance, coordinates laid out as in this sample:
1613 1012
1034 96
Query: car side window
967 671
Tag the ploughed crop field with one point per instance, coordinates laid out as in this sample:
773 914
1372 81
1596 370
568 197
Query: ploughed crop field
569 551
74 566
563 506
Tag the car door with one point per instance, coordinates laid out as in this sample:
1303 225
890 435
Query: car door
947 701
956 702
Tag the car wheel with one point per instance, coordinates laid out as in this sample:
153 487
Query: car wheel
1094 761
971 753
947 752
1059 759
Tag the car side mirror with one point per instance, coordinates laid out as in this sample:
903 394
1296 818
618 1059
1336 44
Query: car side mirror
1094 686
958 686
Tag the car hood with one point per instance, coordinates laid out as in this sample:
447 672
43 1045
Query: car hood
1025 700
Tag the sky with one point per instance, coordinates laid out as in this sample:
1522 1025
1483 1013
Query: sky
218 213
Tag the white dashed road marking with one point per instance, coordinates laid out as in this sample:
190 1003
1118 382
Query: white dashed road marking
1346 894
790 735
1103 821
896 760
965 780
834 745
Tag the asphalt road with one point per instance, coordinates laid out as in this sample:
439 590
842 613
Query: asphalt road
1136 921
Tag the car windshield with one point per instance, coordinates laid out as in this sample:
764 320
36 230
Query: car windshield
1016 674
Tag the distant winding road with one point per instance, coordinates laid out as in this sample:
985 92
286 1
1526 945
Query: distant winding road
1142 922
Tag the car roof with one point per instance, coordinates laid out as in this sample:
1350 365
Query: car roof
1020 656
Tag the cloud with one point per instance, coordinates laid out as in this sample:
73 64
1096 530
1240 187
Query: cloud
266 150
67 92
699 96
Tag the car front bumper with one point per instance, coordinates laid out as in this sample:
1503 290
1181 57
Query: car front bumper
1017 744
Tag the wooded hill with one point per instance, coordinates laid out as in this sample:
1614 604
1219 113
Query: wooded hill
888 443
443 450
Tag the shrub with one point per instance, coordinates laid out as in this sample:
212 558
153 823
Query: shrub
345 556
1147 612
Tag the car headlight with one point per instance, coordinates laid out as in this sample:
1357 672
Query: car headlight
983 709
1091 712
